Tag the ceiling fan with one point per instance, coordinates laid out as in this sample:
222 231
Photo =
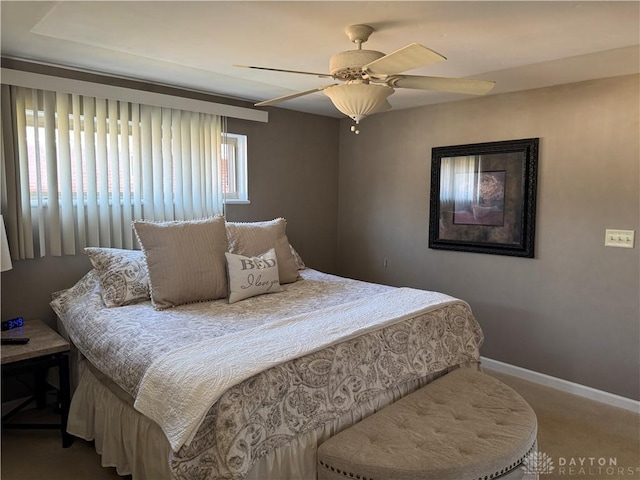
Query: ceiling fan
369 77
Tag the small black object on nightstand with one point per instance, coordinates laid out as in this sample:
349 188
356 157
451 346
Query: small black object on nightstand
15 340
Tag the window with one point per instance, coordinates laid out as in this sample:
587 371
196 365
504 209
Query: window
38 160
234 168
233 162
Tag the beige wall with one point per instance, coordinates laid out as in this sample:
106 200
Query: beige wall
571 312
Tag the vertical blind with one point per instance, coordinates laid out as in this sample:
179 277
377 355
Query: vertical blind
76 170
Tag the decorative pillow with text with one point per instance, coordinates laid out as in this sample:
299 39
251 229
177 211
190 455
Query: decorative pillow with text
252 276
255 238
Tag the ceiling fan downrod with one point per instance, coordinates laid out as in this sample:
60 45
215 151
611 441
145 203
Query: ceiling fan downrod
358 34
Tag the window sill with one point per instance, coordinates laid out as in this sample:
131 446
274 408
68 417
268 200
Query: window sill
237 202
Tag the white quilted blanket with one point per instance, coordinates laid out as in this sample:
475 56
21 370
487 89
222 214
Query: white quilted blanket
180 386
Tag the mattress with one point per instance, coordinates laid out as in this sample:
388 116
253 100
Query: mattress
285 399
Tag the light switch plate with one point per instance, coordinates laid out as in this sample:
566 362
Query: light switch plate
619 238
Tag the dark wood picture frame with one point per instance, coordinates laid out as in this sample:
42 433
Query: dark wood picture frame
483 197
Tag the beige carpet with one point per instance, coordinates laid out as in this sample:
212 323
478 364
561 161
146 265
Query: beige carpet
582 438
576 434
38 454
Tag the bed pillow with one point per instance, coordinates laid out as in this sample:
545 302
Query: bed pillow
254 238
185 260
252 276
122 275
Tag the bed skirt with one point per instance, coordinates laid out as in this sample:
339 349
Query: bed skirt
135 445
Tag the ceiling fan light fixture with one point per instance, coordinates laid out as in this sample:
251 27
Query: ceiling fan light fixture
357 100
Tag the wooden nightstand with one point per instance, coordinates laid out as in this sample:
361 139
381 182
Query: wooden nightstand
45 349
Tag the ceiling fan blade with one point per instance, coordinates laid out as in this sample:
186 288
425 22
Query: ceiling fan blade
293 95
442 84
321 75
412 56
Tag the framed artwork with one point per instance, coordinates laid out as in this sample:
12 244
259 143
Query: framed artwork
483 197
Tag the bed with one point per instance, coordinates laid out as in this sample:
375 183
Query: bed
245 389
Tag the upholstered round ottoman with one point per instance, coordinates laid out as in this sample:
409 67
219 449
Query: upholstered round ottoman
463 426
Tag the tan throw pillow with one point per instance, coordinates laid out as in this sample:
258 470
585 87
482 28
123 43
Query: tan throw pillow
122 274
254 238
185 260
252 276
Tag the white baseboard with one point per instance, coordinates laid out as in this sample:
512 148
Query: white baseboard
563 385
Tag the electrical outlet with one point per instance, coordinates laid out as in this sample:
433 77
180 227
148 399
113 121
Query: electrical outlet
619 238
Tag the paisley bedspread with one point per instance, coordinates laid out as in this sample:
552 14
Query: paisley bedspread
272 407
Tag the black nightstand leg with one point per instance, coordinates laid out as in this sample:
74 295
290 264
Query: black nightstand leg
65 399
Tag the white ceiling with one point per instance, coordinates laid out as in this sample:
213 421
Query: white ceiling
520 45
